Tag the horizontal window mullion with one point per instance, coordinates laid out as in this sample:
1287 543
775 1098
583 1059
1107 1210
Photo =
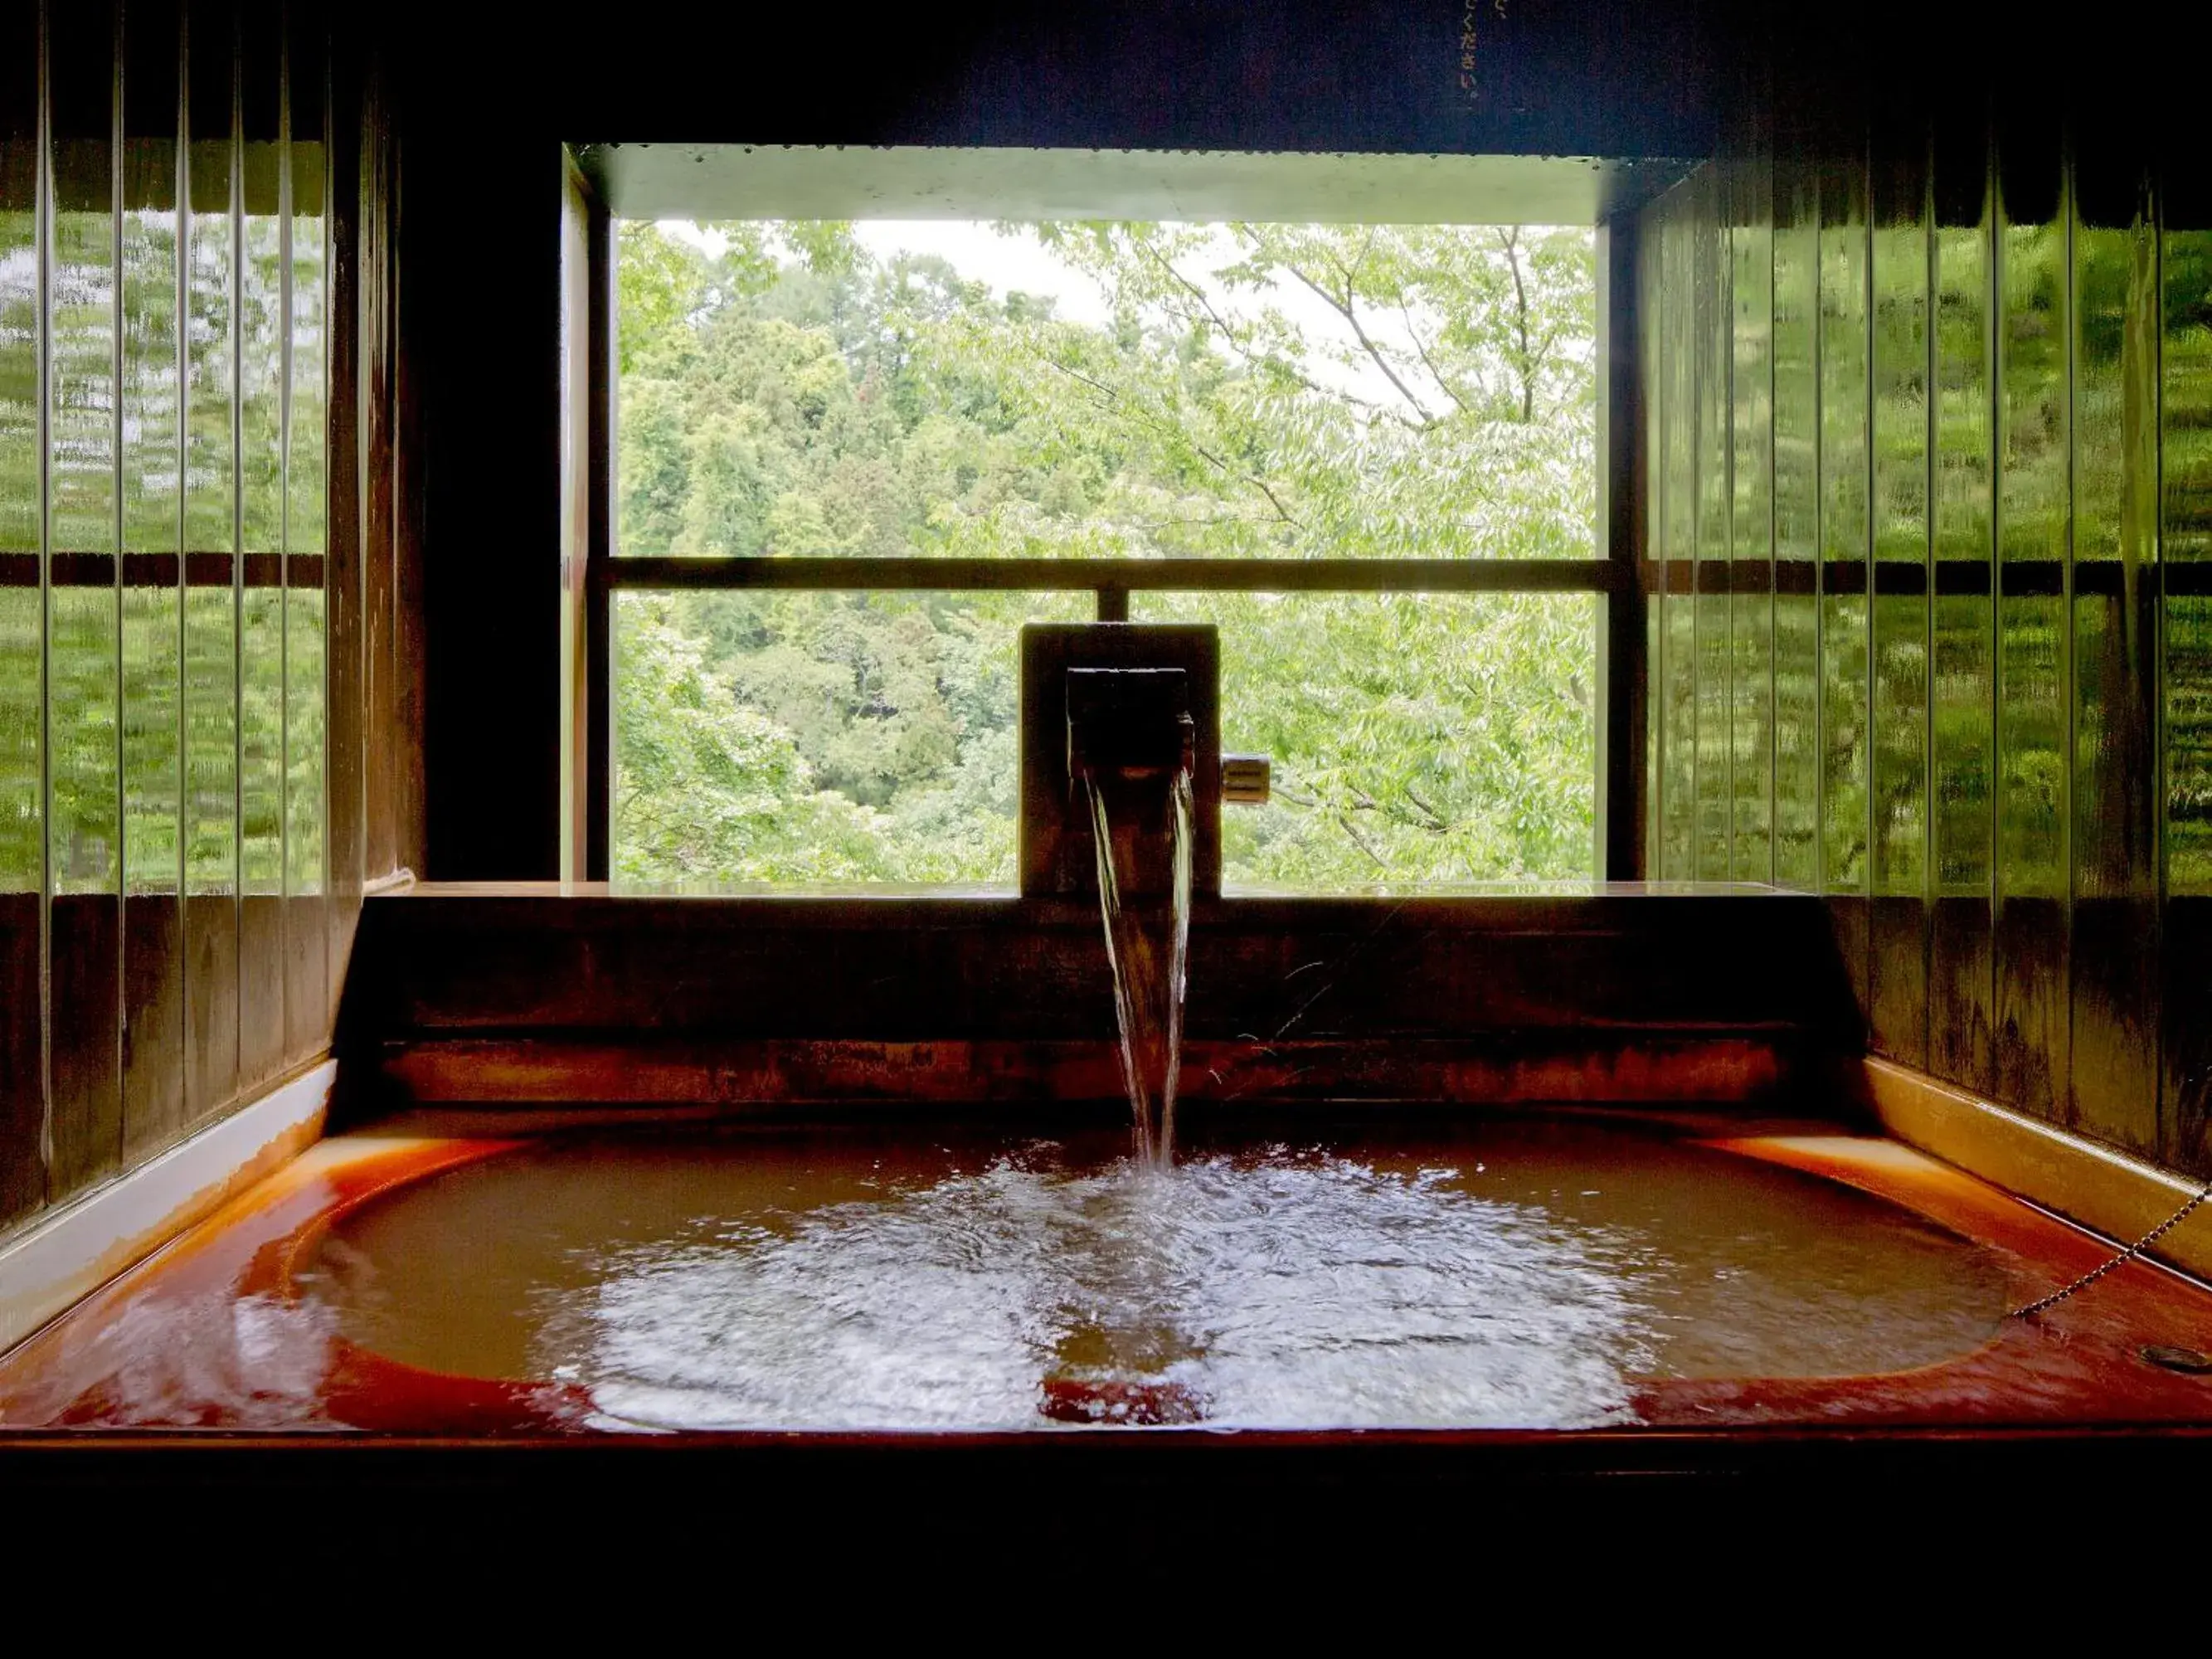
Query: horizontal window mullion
1155 575
67 569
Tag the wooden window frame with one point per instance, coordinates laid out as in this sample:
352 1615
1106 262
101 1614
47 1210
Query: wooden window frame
1618 578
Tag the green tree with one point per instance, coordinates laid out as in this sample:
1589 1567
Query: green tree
1285 392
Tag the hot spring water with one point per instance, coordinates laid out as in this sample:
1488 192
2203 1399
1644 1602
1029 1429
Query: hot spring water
1148 945
1499 1273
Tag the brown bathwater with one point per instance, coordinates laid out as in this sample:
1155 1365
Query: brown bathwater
1514 1273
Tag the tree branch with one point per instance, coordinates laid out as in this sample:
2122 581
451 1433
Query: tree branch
1509 239
1229 334
1344 308
1115 400
1438 821
1358 841
1428 362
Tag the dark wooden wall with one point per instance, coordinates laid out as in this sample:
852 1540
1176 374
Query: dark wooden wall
1929 350
492 995
206 656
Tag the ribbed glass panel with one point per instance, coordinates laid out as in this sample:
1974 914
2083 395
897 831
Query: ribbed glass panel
1900 512
1797 531
1843 530
1711 274
1751 634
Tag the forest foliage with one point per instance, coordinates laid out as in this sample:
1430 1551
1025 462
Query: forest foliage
1258 390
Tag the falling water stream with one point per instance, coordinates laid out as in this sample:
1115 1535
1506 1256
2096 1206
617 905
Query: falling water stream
1147 941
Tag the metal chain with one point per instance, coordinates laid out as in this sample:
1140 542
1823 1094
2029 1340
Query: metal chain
2120 1260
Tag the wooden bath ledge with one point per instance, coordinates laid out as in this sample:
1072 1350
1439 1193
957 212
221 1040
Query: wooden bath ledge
542 994
2098 1187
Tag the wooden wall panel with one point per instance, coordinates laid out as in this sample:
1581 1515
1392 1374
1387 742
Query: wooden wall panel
22 1057
1899 439
2114 620
306 565
2184 210
1711 274
1750 209
2026 799
154 1022
151 413
1675 521
84 805
180 631
22 637
343 688
1841 350
1795 243
213 593
1962 694
84 1061
211 992
409 480
377 344
2033 537
258 230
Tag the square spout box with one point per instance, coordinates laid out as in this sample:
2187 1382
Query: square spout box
1133 721
1057 855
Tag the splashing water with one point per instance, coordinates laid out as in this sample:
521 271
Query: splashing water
1279 1293
1148 944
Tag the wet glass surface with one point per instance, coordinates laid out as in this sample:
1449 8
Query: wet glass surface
1506 1274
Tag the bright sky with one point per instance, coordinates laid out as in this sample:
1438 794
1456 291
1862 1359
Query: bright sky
981 254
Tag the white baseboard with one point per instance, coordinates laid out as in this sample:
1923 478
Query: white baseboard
66 1256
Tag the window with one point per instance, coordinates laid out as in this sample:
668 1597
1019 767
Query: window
852 456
